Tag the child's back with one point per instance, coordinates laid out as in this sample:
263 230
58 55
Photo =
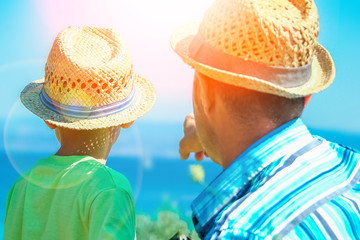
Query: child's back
71 197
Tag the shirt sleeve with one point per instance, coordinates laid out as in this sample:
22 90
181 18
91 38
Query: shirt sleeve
112 216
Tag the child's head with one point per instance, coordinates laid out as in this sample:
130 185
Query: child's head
89 90
94 142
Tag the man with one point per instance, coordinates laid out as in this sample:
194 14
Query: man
88 94
257 64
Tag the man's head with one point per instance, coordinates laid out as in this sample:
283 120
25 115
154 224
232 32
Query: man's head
241 103
220 108
255 63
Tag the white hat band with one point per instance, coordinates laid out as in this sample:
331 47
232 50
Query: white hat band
87 112
286 77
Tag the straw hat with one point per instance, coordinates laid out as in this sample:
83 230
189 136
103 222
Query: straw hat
268 46
89 82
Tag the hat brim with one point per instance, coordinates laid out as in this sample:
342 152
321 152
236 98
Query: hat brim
143 102
323 69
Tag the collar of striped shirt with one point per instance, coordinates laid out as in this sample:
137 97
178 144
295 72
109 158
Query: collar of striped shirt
232 182
275 184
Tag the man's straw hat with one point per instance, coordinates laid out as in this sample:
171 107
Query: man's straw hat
89 82
268 46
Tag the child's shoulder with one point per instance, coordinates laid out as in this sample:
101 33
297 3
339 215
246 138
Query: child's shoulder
23 178
119 180
84 172
105 178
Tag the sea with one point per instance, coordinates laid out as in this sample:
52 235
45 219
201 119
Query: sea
146 153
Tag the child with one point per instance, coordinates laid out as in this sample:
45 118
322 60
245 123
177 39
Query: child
88 94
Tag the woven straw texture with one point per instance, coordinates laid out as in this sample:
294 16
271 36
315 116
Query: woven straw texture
279 33
89 67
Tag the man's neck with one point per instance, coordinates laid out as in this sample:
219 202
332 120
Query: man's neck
235 141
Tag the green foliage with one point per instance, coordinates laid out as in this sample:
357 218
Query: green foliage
165 226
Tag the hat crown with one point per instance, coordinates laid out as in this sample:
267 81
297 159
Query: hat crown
274 32
88 66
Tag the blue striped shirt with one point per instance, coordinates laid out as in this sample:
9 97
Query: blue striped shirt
288 185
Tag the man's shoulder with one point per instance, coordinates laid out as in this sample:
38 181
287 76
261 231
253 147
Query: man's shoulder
338 147
339 216
292 191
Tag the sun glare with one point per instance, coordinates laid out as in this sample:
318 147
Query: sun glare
121 14
147 27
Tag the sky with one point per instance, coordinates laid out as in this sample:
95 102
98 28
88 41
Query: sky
28 28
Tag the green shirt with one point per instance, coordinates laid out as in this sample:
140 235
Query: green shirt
73 197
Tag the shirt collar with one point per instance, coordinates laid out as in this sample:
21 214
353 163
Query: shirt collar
282 141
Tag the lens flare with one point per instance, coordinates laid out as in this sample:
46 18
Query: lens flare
27 140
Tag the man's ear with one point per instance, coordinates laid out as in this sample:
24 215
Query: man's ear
126 125
206 93
51 126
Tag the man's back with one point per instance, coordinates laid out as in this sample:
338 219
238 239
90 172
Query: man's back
73 197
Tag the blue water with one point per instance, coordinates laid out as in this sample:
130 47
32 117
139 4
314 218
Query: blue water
159 179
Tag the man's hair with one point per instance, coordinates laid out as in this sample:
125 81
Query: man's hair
248 104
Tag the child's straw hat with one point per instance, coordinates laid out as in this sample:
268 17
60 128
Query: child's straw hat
89 82
267 46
